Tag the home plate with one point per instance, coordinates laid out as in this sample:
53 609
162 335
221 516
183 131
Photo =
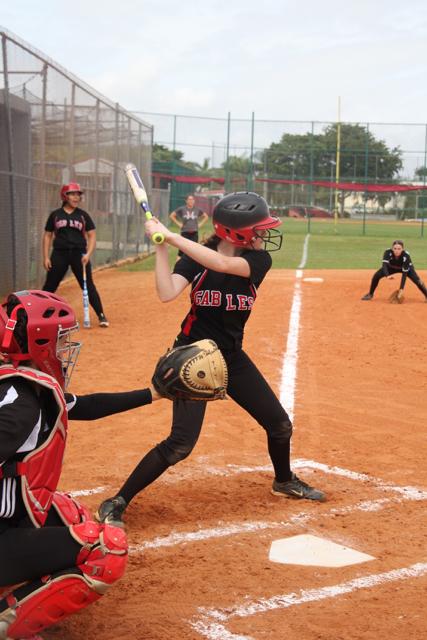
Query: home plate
313 551
313 279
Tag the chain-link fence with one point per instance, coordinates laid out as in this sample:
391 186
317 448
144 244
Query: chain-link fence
55 129
365 171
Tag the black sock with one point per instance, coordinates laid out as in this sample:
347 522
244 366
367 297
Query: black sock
151 467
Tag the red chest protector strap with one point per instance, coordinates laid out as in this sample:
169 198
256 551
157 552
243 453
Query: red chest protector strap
41 468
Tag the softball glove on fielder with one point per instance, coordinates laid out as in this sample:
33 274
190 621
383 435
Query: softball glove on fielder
397 297
195 371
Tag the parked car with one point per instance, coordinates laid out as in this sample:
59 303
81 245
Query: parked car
303 211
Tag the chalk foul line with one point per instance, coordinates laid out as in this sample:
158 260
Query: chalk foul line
210 622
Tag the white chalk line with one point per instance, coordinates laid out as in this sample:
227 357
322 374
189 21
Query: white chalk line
293 521
209 624
289 366
301 463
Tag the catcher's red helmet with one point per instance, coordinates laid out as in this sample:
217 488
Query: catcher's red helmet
37 325
69 188
242 217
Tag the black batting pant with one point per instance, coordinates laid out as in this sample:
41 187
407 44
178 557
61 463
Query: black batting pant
61 259
412 275
246 386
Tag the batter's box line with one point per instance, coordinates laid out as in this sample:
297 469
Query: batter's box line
409 492
302 518
301 463
211 622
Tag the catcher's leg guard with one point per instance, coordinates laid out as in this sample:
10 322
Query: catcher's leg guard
101 561
70 510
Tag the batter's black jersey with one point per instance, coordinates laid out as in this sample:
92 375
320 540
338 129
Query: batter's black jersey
69 228
393 264
221 303
28 413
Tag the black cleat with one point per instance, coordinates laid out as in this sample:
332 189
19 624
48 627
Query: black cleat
111 511
368 296
296 488
103 322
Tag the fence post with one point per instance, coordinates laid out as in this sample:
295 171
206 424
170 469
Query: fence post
366 177
227 187
115 239
424 181
11 163
250 181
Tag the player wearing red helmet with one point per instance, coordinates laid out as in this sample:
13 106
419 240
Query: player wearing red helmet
50 546
224 275
71 232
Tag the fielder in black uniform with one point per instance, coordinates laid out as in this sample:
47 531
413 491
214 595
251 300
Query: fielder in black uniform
224 276
50 545
189 219
396 260
73 234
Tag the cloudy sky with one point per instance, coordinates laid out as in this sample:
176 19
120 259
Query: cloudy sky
282 59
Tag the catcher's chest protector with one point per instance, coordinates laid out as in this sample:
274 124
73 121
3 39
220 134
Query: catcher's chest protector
41 468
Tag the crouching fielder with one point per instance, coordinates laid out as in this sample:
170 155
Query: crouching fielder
54 558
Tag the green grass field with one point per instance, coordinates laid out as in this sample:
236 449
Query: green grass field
336 246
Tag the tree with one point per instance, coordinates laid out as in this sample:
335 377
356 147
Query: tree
363 158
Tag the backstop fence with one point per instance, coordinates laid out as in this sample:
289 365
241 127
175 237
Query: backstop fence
55 129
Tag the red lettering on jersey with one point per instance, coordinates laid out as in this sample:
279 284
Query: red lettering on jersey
216 298
243 302
198 297
250 302
204 300
230 306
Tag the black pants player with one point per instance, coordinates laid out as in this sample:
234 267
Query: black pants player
396 260
61 259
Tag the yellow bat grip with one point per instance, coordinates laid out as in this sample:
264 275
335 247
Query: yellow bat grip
157 237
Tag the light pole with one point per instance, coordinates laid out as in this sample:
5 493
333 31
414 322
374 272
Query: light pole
292 163
333 164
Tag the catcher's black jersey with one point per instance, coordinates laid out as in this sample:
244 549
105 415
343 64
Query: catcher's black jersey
393 264
26 419
221 303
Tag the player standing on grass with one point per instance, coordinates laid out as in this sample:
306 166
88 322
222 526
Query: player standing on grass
72 232
189 219
224 274
59 559
396 260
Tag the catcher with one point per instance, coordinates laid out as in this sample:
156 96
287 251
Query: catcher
396 260
54 558
224 274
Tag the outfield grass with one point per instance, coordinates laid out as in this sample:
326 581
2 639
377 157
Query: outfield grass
340 246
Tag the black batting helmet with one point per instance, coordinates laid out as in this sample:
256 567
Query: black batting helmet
242 217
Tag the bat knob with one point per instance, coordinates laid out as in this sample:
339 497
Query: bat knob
158 238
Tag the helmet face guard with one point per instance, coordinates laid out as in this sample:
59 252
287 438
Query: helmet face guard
244 217
50 322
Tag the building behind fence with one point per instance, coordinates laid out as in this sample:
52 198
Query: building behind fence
55 129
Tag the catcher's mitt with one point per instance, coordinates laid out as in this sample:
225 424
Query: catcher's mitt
397 297
196 371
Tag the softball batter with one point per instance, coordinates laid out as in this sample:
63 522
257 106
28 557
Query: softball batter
224 275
